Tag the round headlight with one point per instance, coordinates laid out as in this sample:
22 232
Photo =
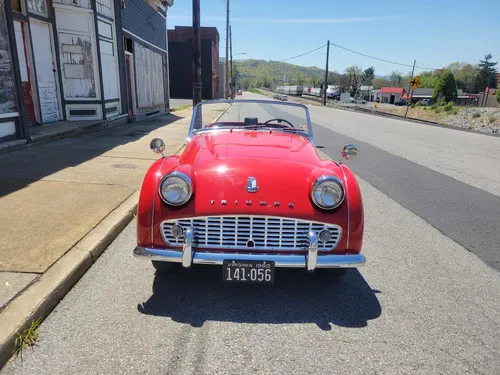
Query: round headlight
327 192
175 189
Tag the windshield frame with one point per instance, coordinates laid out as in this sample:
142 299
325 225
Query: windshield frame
309 134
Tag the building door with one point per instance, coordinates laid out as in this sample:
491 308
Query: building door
129 67
43 52
393 98
25 71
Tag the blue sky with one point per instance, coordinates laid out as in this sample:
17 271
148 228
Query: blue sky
434 32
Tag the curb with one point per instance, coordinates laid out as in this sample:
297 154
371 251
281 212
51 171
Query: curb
42 296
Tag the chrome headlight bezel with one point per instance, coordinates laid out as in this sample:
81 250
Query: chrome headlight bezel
327 179
185 178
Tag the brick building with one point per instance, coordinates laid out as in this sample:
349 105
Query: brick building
180 47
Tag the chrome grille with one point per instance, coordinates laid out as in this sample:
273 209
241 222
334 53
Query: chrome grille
267 233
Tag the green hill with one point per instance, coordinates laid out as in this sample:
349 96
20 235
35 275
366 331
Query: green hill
258 73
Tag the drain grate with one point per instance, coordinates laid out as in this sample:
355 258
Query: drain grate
124 166
136 133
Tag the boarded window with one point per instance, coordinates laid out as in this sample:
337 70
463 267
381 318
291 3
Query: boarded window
37 7
16 5
105 8
149 77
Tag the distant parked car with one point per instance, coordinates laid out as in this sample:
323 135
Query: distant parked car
284 98
357 100
426 102
400 102
240 92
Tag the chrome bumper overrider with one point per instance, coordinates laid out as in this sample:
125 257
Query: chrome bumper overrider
310 261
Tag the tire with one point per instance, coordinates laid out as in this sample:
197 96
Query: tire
166 267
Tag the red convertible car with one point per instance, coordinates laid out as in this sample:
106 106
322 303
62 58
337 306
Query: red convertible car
250 193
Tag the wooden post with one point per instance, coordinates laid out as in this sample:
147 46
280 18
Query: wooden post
325 86
410 89
196 54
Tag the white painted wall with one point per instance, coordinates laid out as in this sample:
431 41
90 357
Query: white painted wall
77 53
7 128
45 66
20 51
109 63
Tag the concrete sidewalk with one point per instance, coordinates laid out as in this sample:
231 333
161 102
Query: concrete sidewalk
67 198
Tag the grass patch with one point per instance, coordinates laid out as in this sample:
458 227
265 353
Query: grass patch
255 91
438 109
455 111
448 107
182 107
476 114
492 119
434 106
27 338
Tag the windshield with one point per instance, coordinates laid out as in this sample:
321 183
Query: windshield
252 115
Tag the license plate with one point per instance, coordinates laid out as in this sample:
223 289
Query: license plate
248 271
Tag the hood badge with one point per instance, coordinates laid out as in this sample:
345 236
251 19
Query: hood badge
252 185
248 202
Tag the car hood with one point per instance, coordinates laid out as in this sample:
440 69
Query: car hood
250 144
284 167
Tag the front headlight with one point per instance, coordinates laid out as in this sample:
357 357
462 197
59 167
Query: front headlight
175 188
327 192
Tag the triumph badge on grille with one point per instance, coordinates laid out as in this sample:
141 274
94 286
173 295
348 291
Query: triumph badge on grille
252 185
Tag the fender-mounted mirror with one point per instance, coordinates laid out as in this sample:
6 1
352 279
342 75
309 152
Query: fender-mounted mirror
349 151
157 146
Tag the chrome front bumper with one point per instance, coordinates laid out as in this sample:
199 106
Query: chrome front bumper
312 260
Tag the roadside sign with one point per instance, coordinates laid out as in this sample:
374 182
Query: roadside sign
415 82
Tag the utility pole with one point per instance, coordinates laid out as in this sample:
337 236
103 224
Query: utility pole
196 54
231 52
326 72
227 51
410 88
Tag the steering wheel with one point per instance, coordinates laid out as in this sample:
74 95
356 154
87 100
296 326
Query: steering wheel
280 120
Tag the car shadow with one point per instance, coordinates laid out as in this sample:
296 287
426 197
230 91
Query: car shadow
200 295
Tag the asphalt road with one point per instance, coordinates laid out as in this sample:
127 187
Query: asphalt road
424 303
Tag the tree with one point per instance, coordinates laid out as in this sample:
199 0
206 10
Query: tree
487 73
368 76
438 73
498 95
378 83
354 74
396 78
428 80
446 88
300 78
314 81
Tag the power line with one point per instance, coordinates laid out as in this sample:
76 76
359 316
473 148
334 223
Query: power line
303 54
376 58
